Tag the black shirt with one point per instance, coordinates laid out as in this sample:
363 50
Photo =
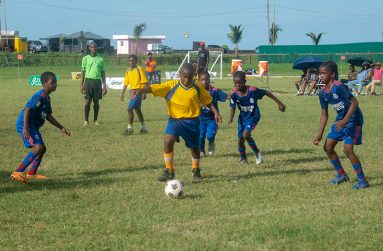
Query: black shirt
203 55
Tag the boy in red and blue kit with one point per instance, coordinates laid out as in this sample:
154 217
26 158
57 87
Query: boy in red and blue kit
207 124
246 98
347 126
31 118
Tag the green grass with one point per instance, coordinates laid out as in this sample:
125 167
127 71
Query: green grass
103 193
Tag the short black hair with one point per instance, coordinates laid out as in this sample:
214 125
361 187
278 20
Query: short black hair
204 73
187 68
133 56
240 74
46 76
331 65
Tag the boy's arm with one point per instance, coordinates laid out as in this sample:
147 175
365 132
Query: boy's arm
341 123
123 92
57 124
103 83
145 89
322 125
232 112
82 82
217 116
27 114
281 106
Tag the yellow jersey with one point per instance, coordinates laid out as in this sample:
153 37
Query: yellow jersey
183 102
135 77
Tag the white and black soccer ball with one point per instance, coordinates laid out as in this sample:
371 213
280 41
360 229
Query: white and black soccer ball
174 189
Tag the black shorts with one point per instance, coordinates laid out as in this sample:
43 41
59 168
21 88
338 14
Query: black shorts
92 88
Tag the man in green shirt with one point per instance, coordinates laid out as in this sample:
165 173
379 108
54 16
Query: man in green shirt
93 83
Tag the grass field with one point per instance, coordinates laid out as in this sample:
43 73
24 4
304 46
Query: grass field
103 192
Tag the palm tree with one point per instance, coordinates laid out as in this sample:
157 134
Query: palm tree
235 36
274 30
137 32
314 37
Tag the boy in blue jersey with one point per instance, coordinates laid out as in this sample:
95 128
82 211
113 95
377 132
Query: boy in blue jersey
348 124
246 97
207 125
183 98
31 118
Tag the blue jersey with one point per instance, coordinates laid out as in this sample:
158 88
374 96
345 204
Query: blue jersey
339 98
216 95
247 104
40 105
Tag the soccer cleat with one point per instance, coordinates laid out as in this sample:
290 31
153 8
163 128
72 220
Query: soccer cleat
166 176
96 123
19 177
36 176
243 161
143 131
197 174
258 158
211 148
86 123
339 178
128 131
360 184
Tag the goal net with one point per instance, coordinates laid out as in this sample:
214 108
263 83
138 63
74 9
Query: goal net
215 63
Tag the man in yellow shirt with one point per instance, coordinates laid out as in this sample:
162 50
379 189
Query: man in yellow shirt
135 78
183 98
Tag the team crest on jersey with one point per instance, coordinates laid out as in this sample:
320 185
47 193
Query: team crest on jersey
251 100
335 95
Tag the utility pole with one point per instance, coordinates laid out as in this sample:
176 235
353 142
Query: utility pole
268 19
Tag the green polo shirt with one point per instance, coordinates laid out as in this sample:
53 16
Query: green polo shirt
93 66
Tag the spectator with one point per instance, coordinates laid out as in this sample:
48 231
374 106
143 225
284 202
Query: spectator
299 83
203 58
150 64
377 78
363 78
312 77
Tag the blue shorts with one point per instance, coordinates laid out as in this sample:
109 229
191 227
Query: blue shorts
352 135
208 128
188 129
34 139
135 103
247 125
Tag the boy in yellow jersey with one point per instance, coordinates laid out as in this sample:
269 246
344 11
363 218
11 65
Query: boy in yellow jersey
135 78
183 98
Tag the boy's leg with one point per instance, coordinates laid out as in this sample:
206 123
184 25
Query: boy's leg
140 117
242 150
212 128
195 163
96 108
169 173
87 110
202 135
362 181
341 176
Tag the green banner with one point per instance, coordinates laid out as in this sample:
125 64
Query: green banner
35 80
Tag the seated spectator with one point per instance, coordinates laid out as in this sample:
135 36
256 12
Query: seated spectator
363 79
300 81
352 74
376 79
312 77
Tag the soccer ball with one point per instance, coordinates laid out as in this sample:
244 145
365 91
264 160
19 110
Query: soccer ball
174 189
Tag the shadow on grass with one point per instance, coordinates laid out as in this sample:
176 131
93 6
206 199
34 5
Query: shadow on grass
267 152
264 173
86 179
108 171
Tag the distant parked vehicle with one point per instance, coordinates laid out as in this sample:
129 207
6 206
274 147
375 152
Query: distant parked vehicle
214 47
36 46
159 48
166 49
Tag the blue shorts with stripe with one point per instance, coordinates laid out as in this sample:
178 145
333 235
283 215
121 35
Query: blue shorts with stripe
246 125
351 134
135 103
34 139
188 129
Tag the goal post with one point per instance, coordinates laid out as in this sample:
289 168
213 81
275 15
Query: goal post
215 63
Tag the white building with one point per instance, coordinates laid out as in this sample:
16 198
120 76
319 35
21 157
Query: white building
127 44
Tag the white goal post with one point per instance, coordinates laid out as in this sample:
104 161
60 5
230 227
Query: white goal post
215 63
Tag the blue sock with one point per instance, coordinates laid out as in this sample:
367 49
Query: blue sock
242 152
358 171
338 166
35 165
26 162
252 144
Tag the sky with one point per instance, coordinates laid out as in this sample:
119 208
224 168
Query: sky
343 21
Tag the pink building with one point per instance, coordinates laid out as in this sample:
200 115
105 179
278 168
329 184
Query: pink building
127 44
